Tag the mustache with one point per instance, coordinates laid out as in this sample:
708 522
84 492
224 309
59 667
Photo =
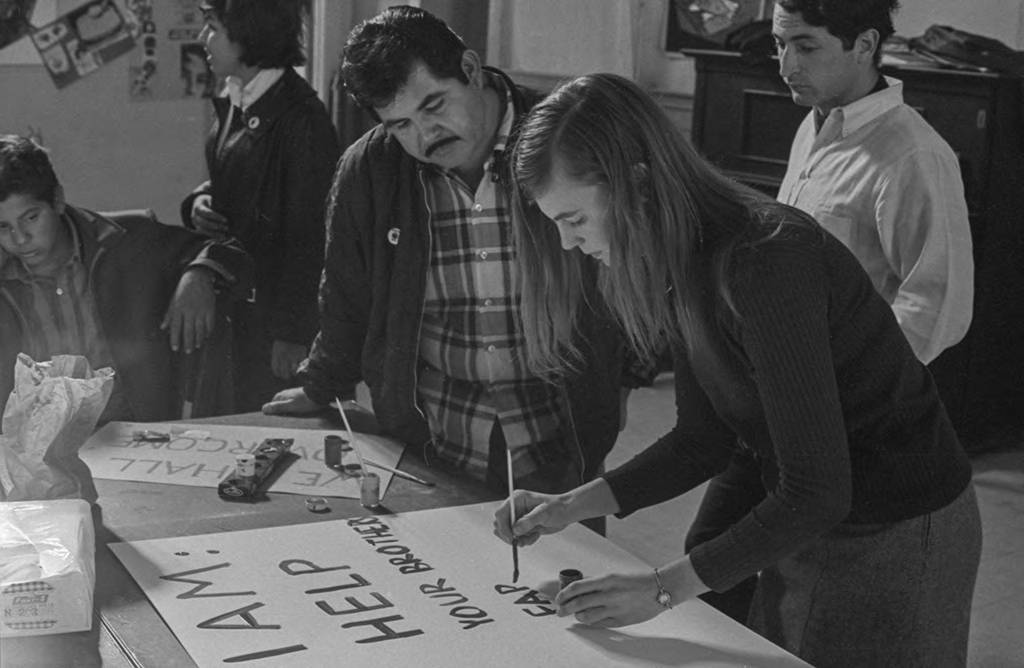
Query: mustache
439 144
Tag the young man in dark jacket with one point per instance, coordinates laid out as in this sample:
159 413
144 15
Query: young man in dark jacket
128 293
419 296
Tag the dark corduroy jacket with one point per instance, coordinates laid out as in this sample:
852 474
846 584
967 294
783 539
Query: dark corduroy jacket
134 264
372 294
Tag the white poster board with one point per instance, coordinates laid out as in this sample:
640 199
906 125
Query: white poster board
201 455
427 588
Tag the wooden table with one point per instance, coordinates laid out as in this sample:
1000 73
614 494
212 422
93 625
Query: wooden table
127 630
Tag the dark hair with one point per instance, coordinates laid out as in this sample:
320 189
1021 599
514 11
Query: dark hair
847 19
674 221
25 169
380 53
268 31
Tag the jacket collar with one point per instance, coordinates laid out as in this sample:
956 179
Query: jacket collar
96 233
90 232
244 96
289 90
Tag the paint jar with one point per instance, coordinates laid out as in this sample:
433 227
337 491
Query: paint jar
369 490
245 466
317 504
334 447
568 576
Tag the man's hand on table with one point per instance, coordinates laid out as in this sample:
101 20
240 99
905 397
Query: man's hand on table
292 401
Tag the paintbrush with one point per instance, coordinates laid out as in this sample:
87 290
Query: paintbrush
512 512
351 436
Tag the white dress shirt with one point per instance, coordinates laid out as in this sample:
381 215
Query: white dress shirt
884 182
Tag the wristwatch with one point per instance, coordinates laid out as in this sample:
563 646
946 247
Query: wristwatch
663 598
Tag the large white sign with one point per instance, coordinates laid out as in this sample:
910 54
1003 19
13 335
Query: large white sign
201 455
427 588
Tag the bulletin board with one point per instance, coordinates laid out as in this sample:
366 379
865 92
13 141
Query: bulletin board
425 588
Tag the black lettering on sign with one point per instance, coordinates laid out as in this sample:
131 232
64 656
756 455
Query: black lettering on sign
181 444
357 581
535 604
212 445
386 632
378 535
215 473
244 612
375 532
125 467
468 616
363 521
357 605
265 654
202 584
242 448
172 469
291 567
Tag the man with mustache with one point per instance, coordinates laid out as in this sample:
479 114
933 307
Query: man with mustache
419 296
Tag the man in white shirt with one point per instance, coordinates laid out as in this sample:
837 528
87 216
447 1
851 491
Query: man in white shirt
872 171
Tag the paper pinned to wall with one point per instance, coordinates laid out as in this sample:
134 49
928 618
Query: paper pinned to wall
201 455
170 63
83 40
426 588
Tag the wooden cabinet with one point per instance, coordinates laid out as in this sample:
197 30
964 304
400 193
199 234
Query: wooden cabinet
744 121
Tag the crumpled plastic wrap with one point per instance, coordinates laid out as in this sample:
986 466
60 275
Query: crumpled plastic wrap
50 414
47 567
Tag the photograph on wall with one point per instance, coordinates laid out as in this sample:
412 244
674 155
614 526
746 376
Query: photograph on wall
83 40
170 62
707 24
14 20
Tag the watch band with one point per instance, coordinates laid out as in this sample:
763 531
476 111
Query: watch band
663 598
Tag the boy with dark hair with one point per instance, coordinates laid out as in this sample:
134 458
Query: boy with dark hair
419 296
126 293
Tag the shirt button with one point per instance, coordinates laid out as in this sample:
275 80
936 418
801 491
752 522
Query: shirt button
490 349
488 302
478 207
483 255
60 292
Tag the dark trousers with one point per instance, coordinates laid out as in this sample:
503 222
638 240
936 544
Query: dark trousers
255 382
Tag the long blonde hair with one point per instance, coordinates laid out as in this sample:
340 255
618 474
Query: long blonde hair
673 221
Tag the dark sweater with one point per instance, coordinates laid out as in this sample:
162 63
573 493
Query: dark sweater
816 379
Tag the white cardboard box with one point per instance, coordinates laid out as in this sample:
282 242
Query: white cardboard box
47 569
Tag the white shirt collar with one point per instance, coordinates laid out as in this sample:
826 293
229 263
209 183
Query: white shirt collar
244 97
859 113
